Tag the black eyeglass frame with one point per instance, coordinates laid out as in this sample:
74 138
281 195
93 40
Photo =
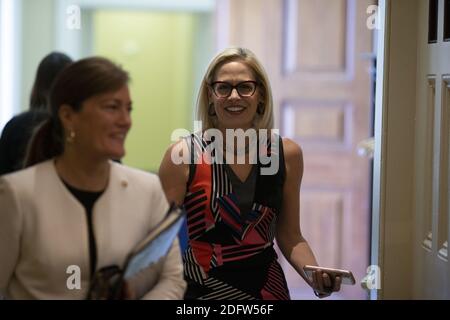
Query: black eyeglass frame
212 85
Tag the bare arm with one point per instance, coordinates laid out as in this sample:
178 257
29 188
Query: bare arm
289 237
174 176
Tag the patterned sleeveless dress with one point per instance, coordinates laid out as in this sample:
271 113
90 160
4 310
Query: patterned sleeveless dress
231 228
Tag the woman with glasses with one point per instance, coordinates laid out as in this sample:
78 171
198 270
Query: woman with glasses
235 206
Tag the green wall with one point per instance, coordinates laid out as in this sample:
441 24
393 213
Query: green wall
166 54
157 50
38 34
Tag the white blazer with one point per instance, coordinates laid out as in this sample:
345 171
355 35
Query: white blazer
44 231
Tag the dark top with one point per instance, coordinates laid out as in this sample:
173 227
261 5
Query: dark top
88 199
244 189
231 226
15 137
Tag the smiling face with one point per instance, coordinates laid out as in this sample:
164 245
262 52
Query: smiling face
235 111
101 125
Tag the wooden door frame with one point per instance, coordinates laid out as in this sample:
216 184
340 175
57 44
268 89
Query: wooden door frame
393 188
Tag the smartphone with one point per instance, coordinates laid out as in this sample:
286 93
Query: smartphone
346 275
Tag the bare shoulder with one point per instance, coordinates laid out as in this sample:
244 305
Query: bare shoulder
174 171
293 156
292 151
177 153
176 161
179 145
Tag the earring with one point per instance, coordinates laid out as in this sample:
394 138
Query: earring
211 111
71 137
260 109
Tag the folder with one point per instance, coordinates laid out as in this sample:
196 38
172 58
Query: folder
140 270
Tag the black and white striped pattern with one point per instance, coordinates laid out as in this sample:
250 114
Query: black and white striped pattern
223 291
192 269
267 226
221 185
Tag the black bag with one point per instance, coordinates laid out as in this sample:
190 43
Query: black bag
107 284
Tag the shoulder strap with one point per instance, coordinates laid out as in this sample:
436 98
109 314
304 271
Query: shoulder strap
192 160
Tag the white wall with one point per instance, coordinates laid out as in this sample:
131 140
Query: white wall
38 39
40 27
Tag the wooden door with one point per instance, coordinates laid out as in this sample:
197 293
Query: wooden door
313 51
431 224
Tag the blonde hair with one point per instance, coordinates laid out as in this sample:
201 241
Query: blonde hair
262 121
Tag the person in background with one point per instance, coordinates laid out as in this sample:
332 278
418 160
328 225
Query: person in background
18 131
73 207
234 211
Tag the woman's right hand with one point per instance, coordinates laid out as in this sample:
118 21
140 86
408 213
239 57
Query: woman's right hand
324 284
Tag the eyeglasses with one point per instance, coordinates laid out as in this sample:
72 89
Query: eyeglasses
224 89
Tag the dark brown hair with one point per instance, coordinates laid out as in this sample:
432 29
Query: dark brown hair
48 69
74 85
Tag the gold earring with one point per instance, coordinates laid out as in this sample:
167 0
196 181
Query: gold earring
260 108
71 137
211 111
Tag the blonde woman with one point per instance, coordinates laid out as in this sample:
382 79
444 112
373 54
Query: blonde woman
236 207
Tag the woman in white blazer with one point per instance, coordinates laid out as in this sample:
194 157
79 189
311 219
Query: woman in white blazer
74 210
